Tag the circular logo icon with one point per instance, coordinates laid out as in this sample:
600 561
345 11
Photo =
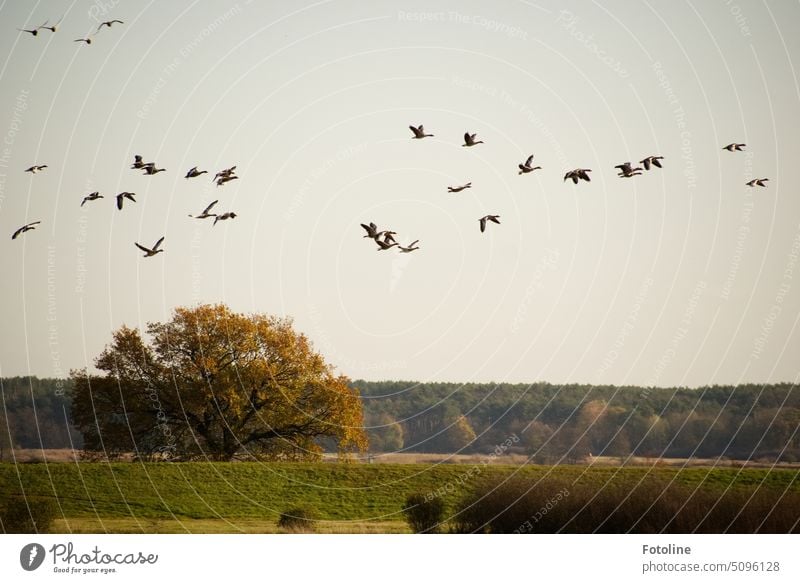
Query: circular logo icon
31 556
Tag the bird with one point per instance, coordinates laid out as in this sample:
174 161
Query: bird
734 147
108 23
122 196
371 229
24 229
33 32
150 169
224 216
654 160
154 251
384 245
419 132
223 173
87 40
194 172
223 179
469 140
35 169
409 248
578 174
139 163
92 196
625 170
459 188
483 220
205 214
52 28
758 182
526 167
388 236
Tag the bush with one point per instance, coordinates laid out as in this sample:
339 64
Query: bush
424 515
298 520
27 516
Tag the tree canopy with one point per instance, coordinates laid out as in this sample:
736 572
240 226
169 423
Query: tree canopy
214 384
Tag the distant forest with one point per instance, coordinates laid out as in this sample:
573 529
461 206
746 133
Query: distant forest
550 423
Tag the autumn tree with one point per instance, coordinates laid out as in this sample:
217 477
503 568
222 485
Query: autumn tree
214 384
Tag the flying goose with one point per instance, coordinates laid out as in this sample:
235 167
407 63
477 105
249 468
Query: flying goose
578 174
25 228
469 140
223 179
734 147
92 196
224 173
625 170
108 23
654 160
388 236
493 218
205 214
139 163
224 217
408 249
459 188
371 229
122 196
419 133
194 172
154 251
52 28
33 32
35 169
150 169
526 167
87 40
384 245
758 182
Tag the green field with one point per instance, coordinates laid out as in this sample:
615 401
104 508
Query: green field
248 497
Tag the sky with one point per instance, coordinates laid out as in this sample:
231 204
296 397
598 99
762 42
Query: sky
682 276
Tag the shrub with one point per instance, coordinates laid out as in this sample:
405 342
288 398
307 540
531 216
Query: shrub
424 515
298 520
21 515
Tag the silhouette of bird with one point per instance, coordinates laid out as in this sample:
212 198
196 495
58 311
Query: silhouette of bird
371 229
35 169
122 196
92 196
388 236
459 188
139 163
758 182
25 229
224 217
483 220
384 245
224 173
419 132
87 40
409 248
154 251
734 147
223 179
33 32
526 167
108 23
194 172
469 140
625 170
150 169
578 174
205 214
52 28
654 160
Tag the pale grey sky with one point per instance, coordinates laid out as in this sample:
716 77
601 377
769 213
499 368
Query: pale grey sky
682 276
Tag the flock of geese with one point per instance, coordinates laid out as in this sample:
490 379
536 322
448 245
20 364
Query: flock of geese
54 27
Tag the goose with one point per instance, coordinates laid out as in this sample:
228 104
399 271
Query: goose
409 248
154 251
384 245
493 218
223 179
139 163
459 188
526 167
419 133
33 32
224 217
758 182
224 173
52 28
87 40
194 172
469 140
734 147
25 228
205 214
122 196
35 169
388 236
372 231
93 196
108 23
578 174
654 160
150 169
625 170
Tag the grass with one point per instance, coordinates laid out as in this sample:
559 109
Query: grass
249 497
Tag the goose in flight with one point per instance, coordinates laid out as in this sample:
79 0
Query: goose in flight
108 23
25 229
578 174
223 179
483 220
735 147
625 170
122 196
652 160
33 32
150 169
205 214
374 233
87 40
459 188
224 173
469 140
419 132
139 163
526 167
388 236
194 172
409 248
52 28
154 251
35 169
384 245
224 217
92 196
758 182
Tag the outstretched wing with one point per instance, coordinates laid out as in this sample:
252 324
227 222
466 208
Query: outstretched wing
529 161
483 224
209 207
145 249
158 244
656 162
